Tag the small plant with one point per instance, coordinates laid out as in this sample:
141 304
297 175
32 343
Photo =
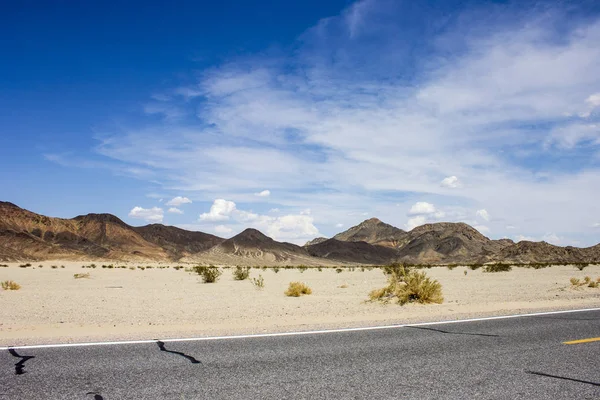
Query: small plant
142 268
3 266
209 274
62 266
407 286
319 269
259 282
302 268
465 272
474 267
297 289
80 276
132 268
339 270
451 266
54 267
593 284
241 273
24 265
498 267
586 280
276 269
10 285
343 286
581 266
575 282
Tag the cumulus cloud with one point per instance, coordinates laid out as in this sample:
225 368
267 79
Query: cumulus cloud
220 210
551 238
520 238
264 193
483 214
178 201
592 102
422 208
415 221
296 228
482 228
175 210
451 182
153 215
339 225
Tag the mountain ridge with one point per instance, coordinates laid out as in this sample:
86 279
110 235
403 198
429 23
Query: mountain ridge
25 235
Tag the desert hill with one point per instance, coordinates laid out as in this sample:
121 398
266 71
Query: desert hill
353 252
373 231
25 235
252 247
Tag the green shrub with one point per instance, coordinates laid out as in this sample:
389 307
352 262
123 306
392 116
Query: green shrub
297 289
209 274
241 273
276 269
339 270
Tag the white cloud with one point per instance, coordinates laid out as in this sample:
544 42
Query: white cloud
415 221
153 215
339 225
175 210
295 228
422 208
274 210
510 227
592 102
306 211
222 230
451 182
596 225
178 201
520 238
487 95
551 238
264 193
220 210
483 214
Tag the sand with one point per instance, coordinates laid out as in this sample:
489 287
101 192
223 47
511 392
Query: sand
118 304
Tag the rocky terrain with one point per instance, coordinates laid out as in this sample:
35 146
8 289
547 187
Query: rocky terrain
25 235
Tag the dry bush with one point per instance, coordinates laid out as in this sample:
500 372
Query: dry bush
297 289
586 280
344 286
79 276
209 274
408 286
241 273
593 284
575 282
259 282
276 269
10 285
498 267
339 270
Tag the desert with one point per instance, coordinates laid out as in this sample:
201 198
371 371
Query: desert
127 302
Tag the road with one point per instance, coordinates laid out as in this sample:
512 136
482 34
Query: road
515 358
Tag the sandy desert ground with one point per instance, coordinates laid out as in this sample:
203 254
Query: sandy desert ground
113 304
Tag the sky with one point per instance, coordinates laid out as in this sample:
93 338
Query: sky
302 119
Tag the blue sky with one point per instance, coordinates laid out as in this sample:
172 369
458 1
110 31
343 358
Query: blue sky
305 119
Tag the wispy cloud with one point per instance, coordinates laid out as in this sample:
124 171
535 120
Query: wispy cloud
486 104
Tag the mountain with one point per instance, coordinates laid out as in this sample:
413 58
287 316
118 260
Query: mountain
25 235
178 243
253 247
448 242
353 252
373 231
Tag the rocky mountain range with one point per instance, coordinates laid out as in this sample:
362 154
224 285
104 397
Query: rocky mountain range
25 235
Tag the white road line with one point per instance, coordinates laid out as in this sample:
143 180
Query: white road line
300 333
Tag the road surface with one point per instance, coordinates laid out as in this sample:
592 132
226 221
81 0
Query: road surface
514 358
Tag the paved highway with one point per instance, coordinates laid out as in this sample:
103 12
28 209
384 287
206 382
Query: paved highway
515 358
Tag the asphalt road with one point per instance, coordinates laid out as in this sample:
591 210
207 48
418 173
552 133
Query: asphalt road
519 358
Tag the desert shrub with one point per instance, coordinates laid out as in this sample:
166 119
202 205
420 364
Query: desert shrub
343 286
178 267
139 267
451 266
474 267
132 268
407 286
259 282
54 267
581 266
10 285
586 280
62 266
319 269
79 276
241 273
297 289
575 281
302 268
24 265
209 274
339 270
465 272
276 269
362 269
498 267
593 284
3 266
